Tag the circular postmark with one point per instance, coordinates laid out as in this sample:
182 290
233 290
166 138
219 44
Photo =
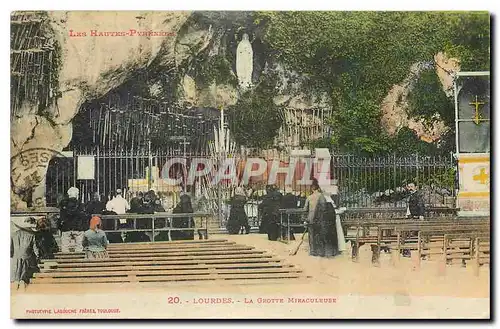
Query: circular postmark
28 168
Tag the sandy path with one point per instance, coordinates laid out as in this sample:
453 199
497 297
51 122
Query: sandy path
360 290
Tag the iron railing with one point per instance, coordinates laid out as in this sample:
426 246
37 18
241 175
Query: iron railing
363 182
381 181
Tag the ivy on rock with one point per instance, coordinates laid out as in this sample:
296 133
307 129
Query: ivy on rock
356 57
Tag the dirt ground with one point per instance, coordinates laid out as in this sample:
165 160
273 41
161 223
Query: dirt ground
348 290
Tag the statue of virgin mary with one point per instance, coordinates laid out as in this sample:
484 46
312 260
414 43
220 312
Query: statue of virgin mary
244 63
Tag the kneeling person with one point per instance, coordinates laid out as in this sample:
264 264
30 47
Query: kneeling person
95 241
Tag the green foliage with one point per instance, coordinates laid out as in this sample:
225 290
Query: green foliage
427 98
470 40
357 56
213 69
406 142
255 119
357 128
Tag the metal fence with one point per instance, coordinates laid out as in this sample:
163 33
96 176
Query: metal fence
114 170
381 181
362 181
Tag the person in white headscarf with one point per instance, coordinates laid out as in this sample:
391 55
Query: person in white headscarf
73 222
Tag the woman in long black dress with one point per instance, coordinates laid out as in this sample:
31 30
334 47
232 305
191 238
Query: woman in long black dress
321 222
270 212
183 207
238 220
329 227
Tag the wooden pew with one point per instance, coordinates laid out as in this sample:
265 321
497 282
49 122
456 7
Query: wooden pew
434 233
395 212
168 219
463 246
367 231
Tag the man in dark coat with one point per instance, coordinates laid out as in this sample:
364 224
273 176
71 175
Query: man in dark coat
270 213
263 219
416 208
144 207
136 203
95 206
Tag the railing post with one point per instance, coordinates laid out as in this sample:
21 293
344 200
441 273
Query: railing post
153 228
206 227
288 228
281 226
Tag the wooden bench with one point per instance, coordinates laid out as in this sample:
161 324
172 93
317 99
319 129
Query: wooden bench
215 260
286 222
395 212
367 231
435 236
460 246
167 218
41 211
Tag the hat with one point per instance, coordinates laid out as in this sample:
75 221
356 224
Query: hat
239 191
73 192
24 223
118 191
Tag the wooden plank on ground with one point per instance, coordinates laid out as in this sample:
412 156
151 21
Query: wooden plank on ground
200 257
233 260
166 272
114 246
148 266
114 253
169 278
188 253
135 244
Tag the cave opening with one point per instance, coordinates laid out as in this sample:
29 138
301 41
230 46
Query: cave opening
130 133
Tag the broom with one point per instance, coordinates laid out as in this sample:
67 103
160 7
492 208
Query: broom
294 251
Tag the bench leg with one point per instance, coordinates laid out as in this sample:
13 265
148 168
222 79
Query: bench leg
202 234
477 255
442 264
419 251
355 251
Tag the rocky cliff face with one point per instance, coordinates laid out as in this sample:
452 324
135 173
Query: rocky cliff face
198 51
395 105
90 67
93 60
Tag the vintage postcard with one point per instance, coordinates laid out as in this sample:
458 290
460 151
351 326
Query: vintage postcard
250 164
